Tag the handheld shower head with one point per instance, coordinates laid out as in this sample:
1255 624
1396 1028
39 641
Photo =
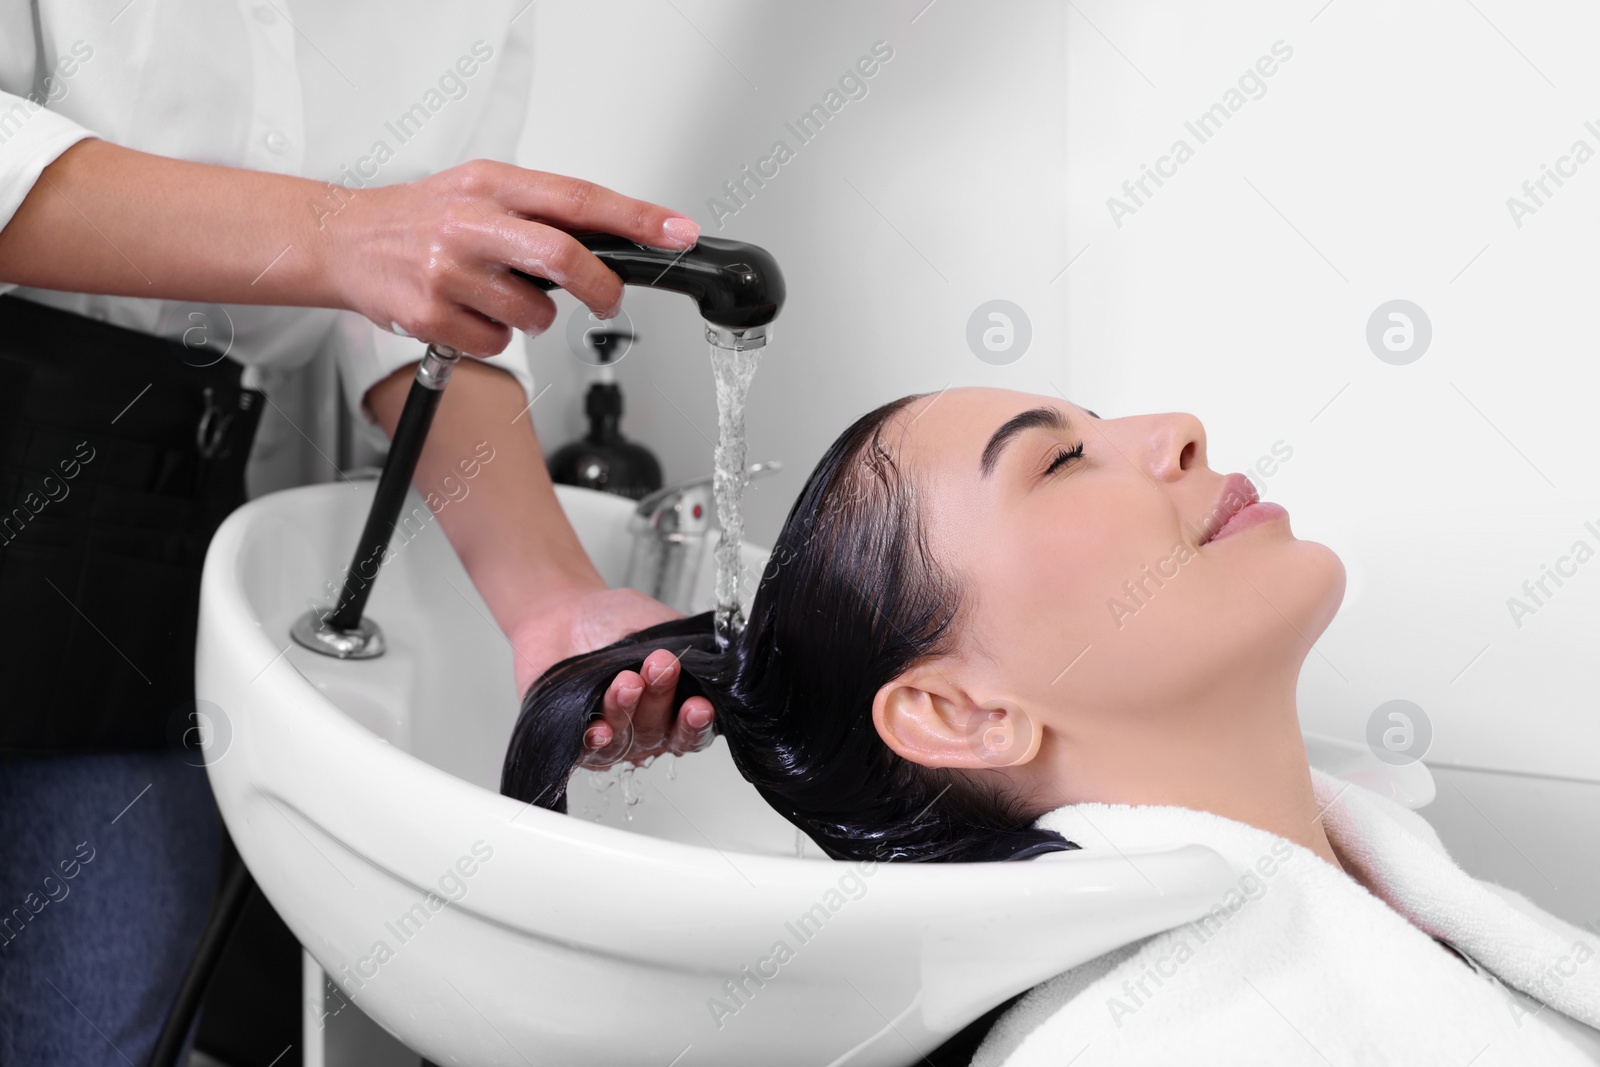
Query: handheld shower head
737 286
739 290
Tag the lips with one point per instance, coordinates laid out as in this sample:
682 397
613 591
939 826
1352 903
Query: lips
1238 507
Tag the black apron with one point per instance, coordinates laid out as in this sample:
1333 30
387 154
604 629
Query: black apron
119 457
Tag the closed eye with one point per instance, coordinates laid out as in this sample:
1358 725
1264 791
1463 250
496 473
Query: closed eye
1063 456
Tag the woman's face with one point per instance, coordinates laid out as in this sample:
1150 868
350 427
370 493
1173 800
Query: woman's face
1100 597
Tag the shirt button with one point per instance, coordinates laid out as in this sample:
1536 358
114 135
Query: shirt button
277 142
265 15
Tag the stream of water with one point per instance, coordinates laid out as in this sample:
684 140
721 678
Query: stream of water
733 371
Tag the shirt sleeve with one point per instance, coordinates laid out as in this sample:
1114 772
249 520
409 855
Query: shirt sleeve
31 135
367 353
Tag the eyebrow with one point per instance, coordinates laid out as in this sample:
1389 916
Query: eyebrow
1042 417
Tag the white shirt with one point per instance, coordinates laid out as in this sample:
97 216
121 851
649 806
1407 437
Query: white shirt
349 91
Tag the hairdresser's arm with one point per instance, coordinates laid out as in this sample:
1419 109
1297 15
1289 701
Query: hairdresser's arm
429 255
526 561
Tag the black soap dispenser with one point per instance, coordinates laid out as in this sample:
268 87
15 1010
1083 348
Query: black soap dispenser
603 459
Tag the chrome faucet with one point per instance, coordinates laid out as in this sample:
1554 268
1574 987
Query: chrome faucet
669 529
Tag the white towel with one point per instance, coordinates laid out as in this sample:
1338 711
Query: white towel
1301 964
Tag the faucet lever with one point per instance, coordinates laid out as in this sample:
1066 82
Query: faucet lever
669 530
662 499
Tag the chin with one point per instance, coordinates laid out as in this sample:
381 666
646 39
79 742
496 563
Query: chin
1319 581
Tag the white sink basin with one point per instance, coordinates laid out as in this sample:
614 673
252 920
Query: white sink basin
355 789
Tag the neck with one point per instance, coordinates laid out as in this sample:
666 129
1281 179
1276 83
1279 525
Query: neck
1237 752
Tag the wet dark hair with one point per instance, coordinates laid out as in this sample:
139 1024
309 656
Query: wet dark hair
850 599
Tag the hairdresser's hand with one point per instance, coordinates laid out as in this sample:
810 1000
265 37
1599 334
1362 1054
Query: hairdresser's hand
639 719
432 256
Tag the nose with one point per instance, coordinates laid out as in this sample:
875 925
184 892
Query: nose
1176 444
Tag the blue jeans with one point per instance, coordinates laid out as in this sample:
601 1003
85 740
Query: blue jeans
108 863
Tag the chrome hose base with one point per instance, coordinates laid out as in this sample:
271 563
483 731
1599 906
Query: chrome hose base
364 642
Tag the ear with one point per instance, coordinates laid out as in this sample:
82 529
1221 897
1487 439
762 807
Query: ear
926 718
